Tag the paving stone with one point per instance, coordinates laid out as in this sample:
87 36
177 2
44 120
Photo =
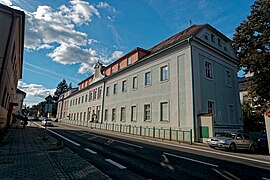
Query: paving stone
24 154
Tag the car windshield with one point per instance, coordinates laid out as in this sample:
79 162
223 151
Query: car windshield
230 135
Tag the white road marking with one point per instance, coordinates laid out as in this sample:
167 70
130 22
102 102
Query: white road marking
223 175
115 164
265 178
117 141
196 149
194 160
230 174
91 151
64 138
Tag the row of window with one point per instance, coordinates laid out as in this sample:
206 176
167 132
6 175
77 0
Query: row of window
164 76
147 113
213 40
209 73
93 95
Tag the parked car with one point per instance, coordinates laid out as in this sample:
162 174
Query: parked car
232 142
47 122
262 142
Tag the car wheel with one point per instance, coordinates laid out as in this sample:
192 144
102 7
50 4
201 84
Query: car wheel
232 147
252 149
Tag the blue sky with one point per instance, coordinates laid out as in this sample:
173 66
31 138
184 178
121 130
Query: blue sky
65 38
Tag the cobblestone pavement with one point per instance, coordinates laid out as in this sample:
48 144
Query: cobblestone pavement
26 154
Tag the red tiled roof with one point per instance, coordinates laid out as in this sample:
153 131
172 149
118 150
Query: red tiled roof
191 31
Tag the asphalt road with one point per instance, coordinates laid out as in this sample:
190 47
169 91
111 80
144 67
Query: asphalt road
126 158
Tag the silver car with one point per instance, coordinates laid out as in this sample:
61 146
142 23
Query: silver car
233 142
47 122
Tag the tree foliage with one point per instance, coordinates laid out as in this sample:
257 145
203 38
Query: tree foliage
61 88
252 46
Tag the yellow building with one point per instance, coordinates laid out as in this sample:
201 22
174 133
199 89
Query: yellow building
11 59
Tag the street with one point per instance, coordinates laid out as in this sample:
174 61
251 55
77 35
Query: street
129 158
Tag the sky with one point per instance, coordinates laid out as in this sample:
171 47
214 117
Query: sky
65 38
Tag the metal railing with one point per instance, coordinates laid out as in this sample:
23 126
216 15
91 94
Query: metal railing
178 135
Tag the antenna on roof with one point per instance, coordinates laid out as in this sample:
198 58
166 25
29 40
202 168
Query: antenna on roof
190 22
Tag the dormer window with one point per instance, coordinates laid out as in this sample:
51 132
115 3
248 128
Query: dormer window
129 60
224 47
206 36
213 38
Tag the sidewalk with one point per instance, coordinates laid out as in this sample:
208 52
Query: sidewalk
26 154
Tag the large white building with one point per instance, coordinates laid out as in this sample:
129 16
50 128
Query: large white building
171 85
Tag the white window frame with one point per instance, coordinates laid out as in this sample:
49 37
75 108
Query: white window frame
122 89
228 80
115 90
145 79
131 113
161 112
106 115
107 90
213 108
113 114
123 116
134 88
129 60
208 70
231 108
144 112
161 73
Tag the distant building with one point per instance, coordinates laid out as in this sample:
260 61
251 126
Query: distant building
170 85
12 24
18 102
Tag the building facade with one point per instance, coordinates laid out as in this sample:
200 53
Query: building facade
20 95
170 85
11 59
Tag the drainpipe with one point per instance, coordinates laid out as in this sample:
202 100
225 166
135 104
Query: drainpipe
102 104
193 92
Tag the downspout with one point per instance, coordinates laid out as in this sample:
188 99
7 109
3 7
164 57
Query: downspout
193 94
102 104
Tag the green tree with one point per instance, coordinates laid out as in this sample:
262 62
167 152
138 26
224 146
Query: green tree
61 88
252 46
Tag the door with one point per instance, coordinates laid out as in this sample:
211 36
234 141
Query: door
239 140
247 141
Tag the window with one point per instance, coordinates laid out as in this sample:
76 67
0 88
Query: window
99 93
224 47
86 98
231 113
95 94
147 79
208 70
134 82
79 101
113 114
133 113
164 73
164 111
211 107
206 36
213 38
84 115
129 60
123 114
115 89
219 42
107 90
106 115
228 78
246 137
90 96
70 103
76 101
147 112
124 86
82 98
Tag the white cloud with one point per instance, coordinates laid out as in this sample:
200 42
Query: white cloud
117 55
103 5
6 2
35 90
